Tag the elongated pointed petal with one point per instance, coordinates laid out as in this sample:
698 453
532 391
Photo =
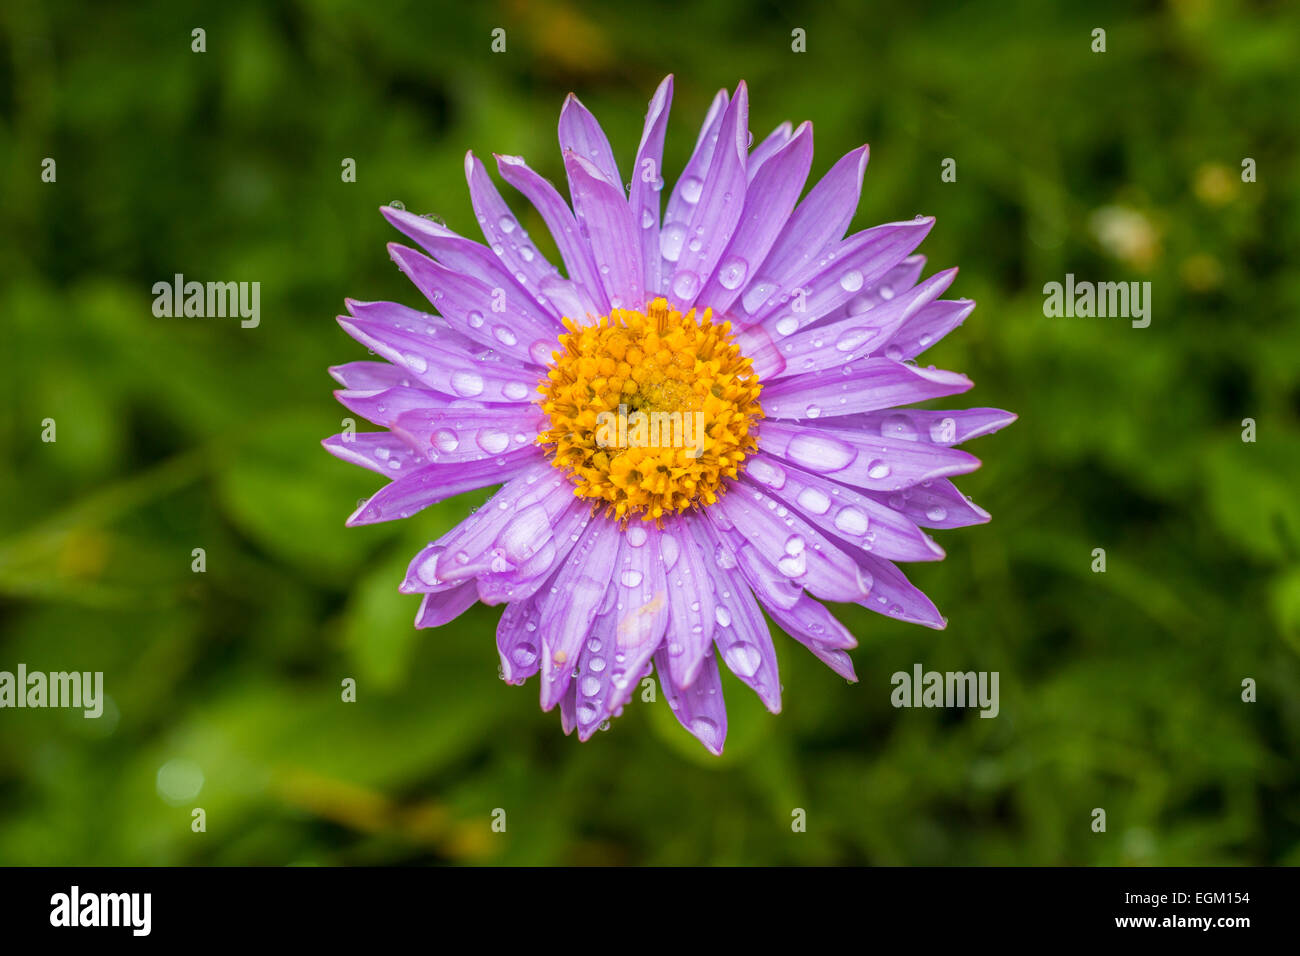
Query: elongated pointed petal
648 184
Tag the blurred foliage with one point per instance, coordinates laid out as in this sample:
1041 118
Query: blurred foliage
1119 690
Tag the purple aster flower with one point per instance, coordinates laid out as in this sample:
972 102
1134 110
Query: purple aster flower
700 419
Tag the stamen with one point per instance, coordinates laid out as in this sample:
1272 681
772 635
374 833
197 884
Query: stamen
650 411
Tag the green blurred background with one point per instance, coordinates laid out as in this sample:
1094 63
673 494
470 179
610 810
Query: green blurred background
1119 690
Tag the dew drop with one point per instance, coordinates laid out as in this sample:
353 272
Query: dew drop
467 384
732 273
685 285
766 472
670 241
852 521
820 452
493 440
898 426
814 501
743 659
850 339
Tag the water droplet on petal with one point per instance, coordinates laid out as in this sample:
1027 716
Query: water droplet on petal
820 452
743 659
467 384
766 472
814 501
732 272
850 339
493 440
898 426
685 285
852 521
670 241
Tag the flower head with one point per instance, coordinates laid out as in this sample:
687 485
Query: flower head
699 419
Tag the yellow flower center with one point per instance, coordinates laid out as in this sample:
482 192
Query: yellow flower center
650 411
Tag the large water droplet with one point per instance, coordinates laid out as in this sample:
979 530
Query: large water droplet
445 440
732 272
540 351
850 339
898 426
685 285
670 241
852 521
820 452
766 472
493 440
814 501
793 565
467 384
743 659
758 293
